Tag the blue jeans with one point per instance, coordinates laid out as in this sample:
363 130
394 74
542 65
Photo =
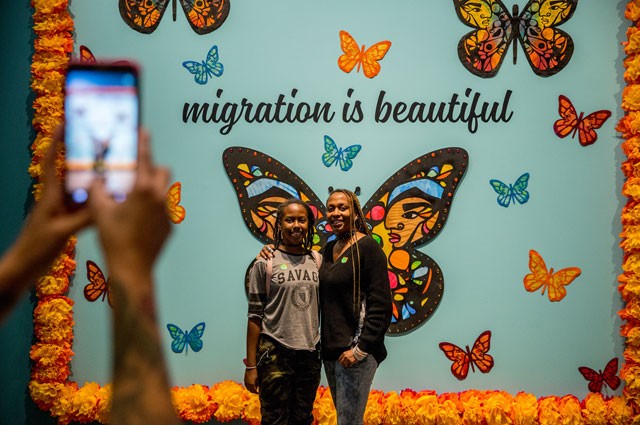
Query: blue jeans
350 388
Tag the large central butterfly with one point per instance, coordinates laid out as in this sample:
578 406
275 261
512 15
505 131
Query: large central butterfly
547 49
407 211
144 16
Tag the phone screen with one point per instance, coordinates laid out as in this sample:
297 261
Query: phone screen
101 129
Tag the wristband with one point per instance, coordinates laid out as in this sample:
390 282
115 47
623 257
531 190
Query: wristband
247 367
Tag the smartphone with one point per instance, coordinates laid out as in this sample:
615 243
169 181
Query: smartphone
102 114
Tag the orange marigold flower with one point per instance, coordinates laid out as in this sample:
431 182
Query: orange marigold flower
594 409
548 412
525 409
230 398
193 403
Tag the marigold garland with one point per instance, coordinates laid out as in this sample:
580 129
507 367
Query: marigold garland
51 353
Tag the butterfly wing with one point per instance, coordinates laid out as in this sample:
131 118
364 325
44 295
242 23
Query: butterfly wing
547 49
179 338
194 337
519 189
460 358
371 56
479 352
352 54
331 152
568 121
594 378
205 16
199 71
609 375
211 63
142 15
559 280
539 276
177 213
504 192
347 155
588 125
97 283
86 56
483 50
408 210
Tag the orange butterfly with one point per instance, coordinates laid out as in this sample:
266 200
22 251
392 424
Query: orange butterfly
541 278
570 122
86 55
463 358
177 213
98 284
354 55
597 379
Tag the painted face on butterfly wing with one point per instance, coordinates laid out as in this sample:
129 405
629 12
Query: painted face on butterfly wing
408 219
479 12
553 11
294 224
339 213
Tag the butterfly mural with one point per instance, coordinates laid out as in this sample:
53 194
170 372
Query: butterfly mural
571 123
477 356
354 55
334 155
483 50
206 69
598 379
182 340
516 192
98 286
86 55
204 16
541 277
408 210
177 212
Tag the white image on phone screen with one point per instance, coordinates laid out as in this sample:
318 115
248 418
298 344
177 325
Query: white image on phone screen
101 110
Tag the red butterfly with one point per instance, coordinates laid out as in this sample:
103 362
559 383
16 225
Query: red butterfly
98 284
570 122
596 379
463 358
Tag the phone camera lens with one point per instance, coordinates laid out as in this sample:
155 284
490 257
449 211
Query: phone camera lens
80 196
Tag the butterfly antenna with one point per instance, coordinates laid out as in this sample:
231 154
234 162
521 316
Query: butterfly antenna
330 189
357 191
514 26
173 5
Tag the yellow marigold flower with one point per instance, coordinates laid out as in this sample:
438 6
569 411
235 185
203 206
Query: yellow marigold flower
230 398
53 23
51 285
618 411
48 355
426 408
56 310
51 83
632 68
57 44
44 394
472 405
497 408
525 409
54 334
63 407
569 407
448 412
63 266
391 409
633 43
251 413
55 373
44 7
594 409
631 97
104 406
632 12
631 188
193 403
324 412
631 238
548 413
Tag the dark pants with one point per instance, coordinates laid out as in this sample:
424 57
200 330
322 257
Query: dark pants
288 381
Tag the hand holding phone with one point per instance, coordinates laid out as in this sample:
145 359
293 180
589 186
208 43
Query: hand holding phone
102 114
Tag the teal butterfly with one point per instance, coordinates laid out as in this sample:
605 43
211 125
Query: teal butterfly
337 156
182 340
207 68
513 192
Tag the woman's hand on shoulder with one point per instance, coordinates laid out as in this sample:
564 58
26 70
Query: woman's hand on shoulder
266 252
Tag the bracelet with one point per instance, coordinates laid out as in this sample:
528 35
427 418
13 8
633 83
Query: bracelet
247 367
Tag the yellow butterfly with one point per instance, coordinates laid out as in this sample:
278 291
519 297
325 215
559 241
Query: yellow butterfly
354 55
541 278
176 211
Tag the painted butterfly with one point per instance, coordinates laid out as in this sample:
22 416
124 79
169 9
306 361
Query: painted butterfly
183 340
144 16
209 67
334 155
572 123
407 211
482 51
513 192
540 277
98 285
86 55
354 55
177 213
463 358
597 379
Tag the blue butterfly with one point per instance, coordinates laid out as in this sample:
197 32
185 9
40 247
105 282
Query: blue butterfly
335 155
207 68
515 192
182 338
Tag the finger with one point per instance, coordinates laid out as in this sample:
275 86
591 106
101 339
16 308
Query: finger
145 163
161 179
49 161
99 199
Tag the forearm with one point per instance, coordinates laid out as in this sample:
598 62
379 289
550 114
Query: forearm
254 326
141 392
